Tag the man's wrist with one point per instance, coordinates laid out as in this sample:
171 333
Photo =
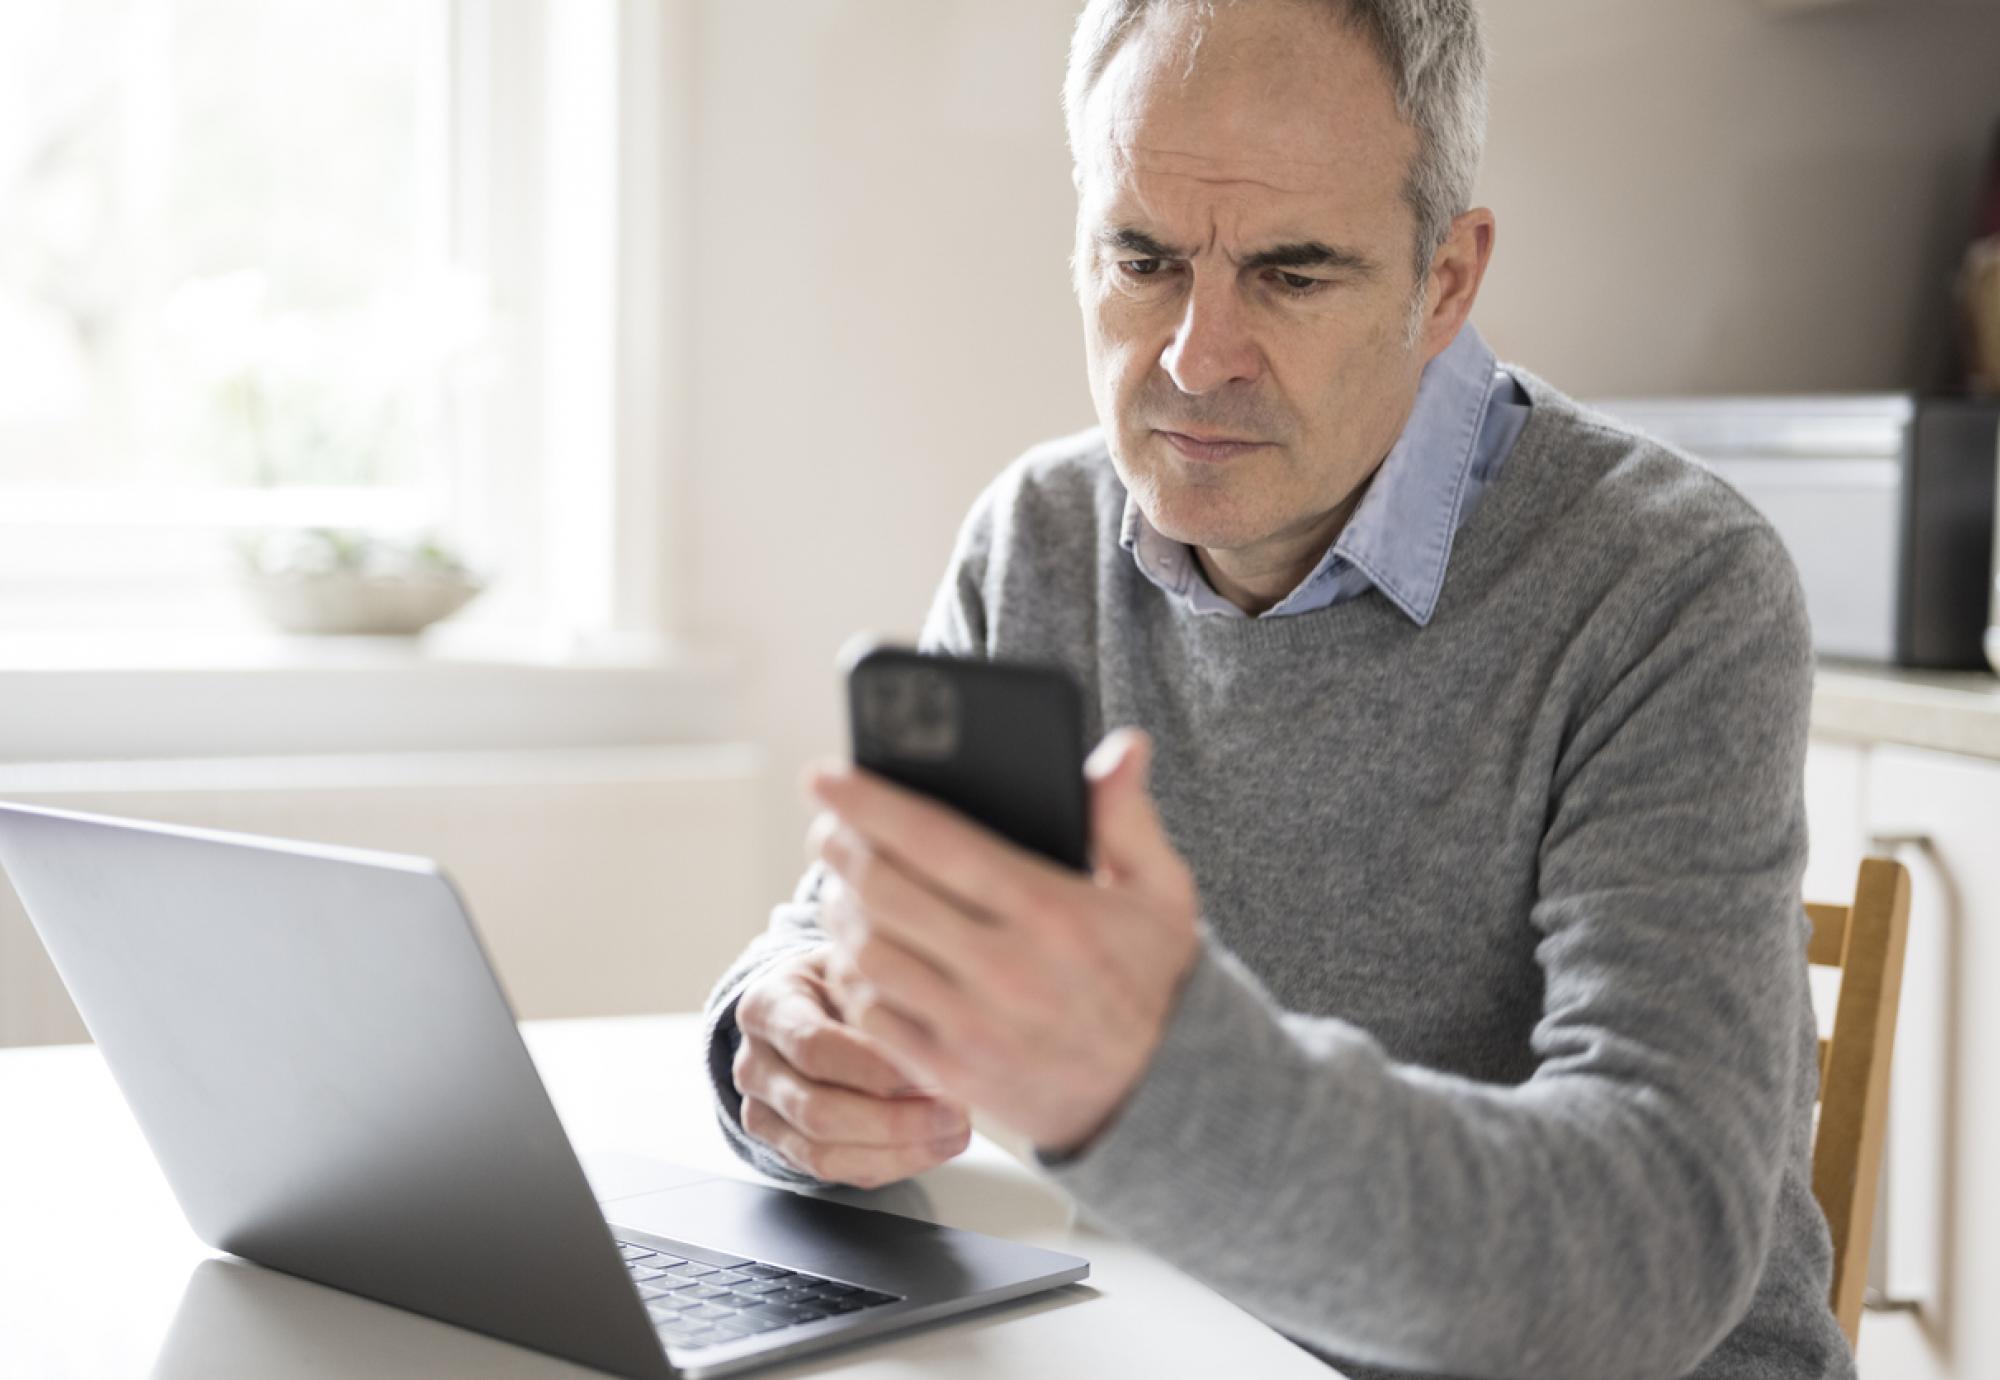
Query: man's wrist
1071 1148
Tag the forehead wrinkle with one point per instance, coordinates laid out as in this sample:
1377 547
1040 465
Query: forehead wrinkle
1160 199
1219 174
1124 160
1226 182
1126 145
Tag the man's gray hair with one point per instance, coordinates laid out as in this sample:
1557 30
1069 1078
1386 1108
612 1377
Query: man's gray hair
1435 51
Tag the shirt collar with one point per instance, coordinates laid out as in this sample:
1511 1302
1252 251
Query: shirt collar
1399 536
1401 532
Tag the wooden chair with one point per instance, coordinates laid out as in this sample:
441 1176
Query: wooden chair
1864 941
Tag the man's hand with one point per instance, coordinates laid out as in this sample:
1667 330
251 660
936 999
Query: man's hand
1003 980
823 1095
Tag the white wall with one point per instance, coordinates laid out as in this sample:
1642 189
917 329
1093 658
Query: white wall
1698 195
882 320
1705 196
603 881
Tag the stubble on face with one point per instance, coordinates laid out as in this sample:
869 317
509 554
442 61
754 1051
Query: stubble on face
1279 136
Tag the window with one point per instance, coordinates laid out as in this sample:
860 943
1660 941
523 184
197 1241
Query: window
279 263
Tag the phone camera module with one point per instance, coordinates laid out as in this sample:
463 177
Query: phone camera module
910 712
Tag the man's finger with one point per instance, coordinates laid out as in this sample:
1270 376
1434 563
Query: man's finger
835 1115
973 866
883 894
894 975
859 1165
1127 840
792 1021
823 823
911 1044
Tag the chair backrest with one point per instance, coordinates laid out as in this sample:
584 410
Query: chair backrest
1865 941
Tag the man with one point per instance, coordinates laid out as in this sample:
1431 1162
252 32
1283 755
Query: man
1439 993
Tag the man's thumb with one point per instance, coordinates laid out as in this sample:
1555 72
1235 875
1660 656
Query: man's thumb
1126 838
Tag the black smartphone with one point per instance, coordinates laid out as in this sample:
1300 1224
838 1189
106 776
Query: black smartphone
999 741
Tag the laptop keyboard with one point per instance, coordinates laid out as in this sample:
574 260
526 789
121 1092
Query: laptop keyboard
696 1303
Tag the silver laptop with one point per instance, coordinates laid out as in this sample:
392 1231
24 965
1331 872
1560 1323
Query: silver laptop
317 1050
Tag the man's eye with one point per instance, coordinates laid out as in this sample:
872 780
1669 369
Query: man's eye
1141 268
1298 284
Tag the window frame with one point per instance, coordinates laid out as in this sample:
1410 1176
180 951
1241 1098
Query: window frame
565 125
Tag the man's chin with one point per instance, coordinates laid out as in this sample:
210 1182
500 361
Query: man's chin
1200 517
1201 509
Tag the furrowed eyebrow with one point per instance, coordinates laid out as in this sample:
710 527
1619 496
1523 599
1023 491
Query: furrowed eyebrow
1304 254
1312 254
1138 242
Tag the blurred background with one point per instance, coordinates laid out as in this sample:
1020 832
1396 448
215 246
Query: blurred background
673 339
688 331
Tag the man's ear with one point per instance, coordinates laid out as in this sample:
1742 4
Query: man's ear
1457 269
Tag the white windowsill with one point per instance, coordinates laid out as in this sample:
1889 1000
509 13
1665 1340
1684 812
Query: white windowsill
248 646
361 771
72 698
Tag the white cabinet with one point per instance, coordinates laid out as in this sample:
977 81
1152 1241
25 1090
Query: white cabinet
1942 1168
1836 794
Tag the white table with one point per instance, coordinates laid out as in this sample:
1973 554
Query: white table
100 1275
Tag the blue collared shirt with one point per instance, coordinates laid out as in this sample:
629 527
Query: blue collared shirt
1467 416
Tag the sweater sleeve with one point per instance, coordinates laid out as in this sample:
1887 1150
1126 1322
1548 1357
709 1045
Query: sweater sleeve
956 624
793 930
1611 1214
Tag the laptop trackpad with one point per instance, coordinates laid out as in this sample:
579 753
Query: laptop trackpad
879 1249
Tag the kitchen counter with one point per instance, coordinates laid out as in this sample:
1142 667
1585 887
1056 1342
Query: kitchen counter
1949 711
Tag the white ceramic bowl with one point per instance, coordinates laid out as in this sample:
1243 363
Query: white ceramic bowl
347 603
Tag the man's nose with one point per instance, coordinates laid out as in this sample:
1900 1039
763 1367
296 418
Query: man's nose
1212 345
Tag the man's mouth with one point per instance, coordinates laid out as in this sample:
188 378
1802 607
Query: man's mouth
1210 449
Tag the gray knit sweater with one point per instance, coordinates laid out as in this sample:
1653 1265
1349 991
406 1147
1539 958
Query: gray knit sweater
1498 1059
